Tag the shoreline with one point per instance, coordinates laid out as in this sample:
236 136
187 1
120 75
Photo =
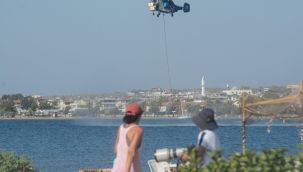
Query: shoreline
145 117
102 117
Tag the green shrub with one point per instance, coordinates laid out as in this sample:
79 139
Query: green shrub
10 162
270 160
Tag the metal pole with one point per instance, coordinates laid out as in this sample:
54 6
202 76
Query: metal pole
301 89
243 126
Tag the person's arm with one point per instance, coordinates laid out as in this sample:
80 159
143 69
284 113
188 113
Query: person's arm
184 157
200 148
201 152
135 136
117 139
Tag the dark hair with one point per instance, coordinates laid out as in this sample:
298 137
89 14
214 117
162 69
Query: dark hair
128 119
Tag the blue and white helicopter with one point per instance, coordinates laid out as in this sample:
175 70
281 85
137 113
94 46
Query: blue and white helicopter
166 7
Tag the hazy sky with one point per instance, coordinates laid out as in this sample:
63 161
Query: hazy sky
53 47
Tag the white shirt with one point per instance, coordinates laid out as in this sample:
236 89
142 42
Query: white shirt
210 141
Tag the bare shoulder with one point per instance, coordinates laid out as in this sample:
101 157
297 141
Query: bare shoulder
137 130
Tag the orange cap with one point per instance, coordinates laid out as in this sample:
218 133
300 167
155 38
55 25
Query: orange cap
133 109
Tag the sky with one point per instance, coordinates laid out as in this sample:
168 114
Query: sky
62 47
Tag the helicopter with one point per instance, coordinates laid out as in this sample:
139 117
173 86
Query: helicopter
166 7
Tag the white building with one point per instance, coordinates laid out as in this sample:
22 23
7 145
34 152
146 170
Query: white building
158 92
237 92
295 89
203 87
61 104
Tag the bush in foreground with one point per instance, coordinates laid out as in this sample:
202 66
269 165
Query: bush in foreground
10 162
270 160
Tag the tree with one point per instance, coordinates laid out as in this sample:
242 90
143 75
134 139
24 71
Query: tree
154 107
7 102
29 103
10 162
269 160
44 104
114 111
8 106
12 97
193 108
271 95
66 110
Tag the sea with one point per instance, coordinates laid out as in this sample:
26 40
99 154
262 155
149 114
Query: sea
68 145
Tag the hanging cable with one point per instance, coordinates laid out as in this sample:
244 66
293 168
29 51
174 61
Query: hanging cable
166 54
171 99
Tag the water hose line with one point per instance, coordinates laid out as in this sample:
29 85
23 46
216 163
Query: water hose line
166 55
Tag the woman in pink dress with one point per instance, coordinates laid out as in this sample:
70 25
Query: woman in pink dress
128 141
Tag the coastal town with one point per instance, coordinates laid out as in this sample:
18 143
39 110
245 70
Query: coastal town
157 102
151 86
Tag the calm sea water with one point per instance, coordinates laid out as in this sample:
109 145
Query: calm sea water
67 145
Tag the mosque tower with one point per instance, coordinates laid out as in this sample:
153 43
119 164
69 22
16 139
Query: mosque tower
203 87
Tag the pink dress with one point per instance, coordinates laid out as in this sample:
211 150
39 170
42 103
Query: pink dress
122 148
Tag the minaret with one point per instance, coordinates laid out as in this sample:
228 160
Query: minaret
203 87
